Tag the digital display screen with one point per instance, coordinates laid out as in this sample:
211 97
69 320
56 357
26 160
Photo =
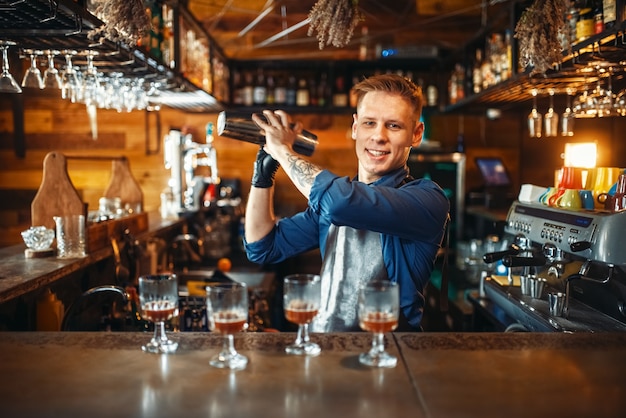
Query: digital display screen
493 171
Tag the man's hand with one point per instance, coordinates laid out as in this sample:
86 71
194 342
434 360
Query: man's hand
265 168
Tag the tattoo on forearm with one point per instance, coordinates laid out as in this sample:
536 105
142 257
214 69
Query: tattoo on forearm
303 171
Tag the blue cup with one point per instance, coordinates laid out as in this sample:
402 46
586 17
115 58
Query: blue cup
586 199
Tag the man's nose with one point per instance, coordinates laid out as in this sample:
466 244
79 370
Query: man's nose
380 133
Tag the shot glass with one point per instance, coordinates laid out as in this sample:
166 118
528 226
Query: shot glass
556 302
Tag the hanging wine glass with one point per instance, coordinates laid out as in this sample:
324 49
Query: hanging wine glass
606 98
70 83
153 101
567 118
551 118
8 84
91 79
32 77
51 78
534 118
620 103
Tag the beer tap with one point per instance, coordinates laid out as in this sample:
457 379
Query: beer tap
181 157
191 151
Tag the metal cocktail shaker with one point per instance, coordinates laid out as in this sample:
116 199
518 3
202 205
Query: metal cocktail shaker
240 126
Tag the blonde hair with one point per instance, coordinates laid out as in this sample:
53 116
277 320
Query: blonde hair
394 84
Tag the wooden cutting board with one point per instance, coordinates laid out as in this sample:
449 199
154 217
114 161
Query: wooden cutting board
123 184
56 196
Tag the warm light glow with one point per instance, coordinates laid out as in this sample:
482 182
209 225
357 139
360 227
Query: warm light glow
582 154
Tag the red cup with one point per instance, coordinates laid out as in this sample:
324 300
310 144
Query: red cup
571 178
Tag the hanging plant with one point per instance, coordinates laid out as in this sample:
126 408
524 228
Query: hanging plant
125 21
334 21
542 34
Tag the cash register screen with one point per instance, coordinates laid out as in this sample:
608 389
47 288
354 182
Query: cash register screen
493 171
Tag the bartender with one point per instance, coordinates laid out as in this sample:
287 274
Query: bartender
381 224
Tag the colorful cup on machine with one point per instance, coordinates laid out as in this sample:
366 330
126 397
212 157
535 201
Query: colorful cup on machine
569 199
547 195
586 199
604 177
570 178
616 201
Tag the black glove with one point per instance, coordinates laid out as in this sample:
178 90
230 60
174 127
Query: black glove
265 168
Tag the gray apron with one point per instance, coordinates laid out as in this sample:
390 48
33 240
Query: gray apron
353 257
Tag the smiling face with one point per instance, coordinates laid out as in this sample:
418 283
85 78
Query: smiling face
385 128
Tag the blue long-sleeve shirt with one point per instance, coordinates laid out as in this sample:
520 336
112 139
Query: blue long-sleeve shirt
410 218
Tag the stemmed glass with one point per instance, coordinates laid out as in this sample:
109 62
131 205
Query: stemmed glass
551 118
51 78
567 118
91 80
32 77
158 301
227 310
606 98
301 301
7 82
379 308
534 118
70 83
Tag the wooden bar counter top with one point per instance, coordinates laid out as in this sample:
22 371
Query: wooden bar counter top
49 374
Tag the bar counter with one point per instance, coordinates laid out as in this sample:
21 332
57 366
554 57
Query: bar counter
20 275
438 375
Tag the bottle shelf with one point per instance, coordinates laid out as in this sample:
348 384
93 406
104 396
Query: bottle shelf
588 61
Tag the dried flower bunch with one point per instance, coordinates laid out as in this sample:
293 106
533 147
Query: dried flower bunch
334 21
125 21
540 32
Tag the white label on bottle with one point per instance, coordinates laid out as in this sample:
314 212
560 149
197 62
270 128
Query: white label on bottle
260 95
609 11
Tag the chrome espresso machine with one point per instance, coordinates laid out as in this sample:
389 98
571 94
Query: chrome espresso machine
566 270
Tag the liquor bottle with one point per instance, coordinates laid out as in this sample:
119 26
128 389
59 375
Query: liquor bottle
167 47
280 92
432 95
353 98
486 70
452 88
584 26
507 70
156 30
609 13
313 98
259 93
302 94
323 91
460 143
237 88
291 91
340 98
248 90
460 81
598 17
496 48
477 80
270 91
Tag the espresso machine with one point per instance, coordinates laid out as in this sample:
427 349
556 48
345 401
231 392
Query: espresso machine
577 256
